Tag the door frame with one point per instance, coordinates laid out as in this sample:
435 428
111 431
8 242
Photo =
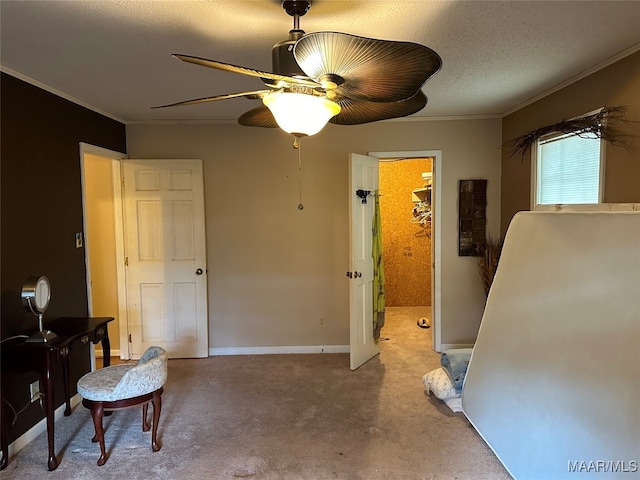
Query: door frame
436 235
116 158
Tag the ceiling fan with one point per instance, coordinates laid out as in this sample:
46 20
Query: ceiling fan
330 77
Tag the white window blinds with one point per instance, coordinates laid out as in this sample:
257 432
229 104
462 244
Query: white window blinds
568 170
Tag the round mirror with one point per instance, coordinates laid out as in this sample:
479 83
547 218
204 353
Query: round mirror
36 294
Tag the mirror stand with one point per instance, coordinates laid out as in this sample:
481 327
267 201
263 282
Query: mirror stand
43 335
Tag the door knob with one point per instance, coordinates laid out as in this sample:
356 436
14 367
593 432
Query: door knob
199 271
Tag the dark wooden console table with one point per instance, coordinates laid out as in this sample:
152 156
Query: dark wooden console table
42 358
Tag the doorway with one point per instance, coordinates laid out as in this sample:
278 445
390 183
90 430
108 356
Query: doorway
102 241
147 268
409 206
405 208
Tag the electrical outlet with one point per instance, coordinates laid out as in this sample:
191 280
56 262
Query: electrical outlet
34 390
322 323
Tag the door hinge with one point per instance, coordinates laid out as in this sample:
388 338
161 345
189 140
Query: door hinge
122 180
126 261
130 341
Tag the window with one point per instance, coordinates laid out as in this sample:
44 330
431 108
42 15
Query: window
568 170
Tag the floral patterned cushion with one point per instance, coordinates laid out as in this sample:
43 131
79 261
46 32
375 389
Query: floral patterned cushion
438 382
128 380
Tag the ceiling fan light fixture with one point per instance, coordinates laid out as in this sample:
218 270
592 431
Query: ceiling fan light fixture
300 114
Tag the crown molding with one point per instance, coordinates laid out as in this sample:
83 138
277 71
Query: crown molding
609 61
50 89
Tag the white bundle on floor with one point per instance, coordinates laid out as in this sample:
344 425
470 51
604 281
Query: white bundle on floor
438 382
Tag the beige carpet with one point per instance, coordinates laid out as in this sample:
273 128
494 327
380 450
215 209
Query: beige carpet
284 417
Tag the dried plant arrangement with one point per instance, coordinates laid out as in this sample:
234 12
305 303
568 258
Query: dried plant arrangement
604 124
488 261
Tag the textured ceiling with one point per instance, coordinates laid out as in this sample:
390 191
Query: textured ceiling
115 55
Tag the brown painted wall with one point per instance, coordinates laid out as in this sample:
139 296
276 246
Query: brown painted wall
615 85
406 246
41 212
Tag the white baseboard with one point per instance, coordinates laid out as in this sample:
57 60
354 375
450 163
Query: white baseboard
31 434
447 346
278 350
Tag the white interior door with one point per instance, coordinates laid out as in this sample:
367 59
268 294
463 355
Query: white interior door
363 175
166 256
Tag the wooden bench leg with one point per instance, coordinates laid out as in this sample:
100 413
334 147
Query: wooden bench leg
97 411
145 424
157 407
99 408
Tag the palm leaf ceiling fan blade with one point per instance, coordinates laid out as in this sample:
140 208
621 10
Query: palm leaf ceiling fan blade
258 117
356 112
371 69
227 67
256 94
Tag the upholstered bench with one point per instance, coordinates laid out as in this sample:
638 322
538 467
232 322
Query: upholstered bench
123 386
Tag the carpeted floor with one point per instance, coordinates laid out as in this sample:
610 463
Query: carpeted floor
274 417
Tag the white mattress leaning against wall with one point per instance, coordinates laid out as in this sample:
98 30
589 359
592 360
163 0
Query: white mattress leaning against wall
553 385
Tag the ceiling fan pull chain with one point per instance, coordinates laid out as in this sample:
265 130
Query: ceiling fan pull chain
298 146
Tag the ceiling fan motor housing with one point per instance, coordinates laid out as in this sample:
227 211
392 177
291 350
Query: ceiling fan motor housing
282 60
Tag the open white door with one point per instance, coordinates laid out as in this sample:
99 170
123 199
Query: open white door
363 175
166 256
